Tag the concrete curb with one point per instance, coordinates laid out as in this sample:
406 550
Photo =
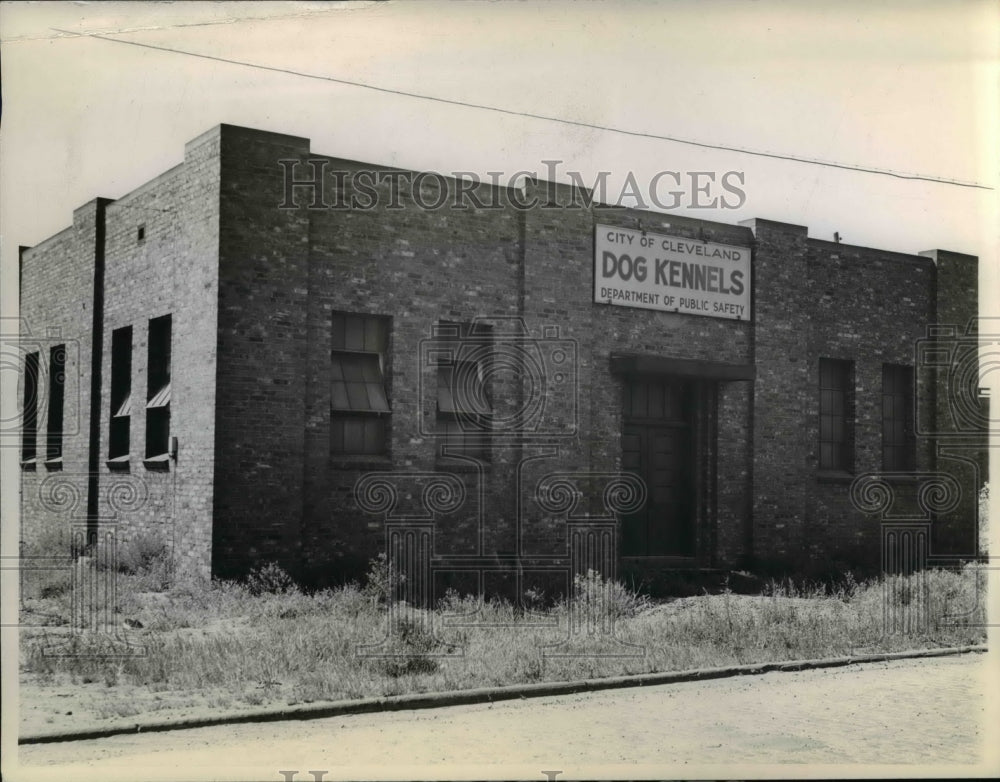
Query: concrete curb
432 700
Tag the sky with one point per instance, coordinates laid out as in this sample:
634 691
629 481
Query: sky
907 87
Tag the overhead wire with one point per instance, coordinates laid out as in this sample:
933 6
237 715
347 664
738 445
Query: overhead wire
541 117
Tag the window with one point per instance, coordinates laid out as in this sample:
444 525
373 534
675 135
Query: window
121 393
57 393
359 405
29 410
898 441
158 389
464 408
140 234
836 415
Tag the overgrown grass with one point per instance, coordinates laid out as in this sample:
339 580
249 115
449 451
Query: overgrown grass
266 641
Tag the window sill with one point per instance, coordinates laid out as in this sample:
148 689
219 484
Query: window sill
361 462
29 465
119 463
53 464
454 465
159 463
834 476
902 476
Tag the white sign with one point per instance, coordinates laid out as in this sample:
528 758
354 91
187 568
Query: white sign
659 272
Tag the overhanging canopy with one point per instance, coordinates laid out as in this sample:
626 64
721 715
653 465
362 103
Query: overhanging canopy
639 364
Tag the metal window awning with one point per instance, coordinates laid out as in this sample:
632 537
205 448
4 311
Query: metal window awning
161 398
357 383
643 364
126 408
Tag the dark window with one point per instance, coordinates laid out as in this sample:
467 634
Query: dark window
461 390
158 388
359 404
140 234
836 414
357 434
898 441
121 392
357 383
29 410
57 393
464 406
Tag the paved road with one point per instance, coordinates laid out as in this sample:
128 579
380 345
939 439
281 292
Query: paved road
925 712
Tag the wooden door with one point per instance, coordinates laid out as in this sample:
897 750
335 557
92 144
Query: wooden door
657 446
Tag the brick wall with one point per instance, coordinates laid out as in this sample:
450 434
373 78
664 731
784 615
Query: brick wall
960 415
870 307
100 263
252 286
57 308
172 270
418 267
262 355
782 391
603 329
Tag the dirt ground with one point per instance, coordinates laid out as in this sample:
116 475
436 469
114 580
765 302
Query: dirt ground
914 712
58 703
67 706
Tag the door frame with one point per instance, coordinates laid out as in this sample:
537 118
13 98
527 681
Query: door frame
704 445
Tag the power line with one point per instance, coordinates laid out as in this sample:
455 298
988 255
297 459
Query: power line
545 117
229 20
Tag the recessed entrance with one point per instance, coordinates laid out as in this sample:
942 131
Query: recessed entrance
658 445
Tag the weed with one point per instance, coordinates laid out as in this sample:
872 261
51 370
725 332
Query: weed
146 556
141 552
383 580
270 579
534 599
57 584
409 651
279 643
599 597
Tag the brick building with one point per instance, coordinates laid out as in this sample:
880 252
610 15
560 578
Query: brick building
265 354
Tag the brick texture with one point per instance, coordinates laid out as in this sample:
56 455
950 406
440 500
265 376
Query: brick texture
252 278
